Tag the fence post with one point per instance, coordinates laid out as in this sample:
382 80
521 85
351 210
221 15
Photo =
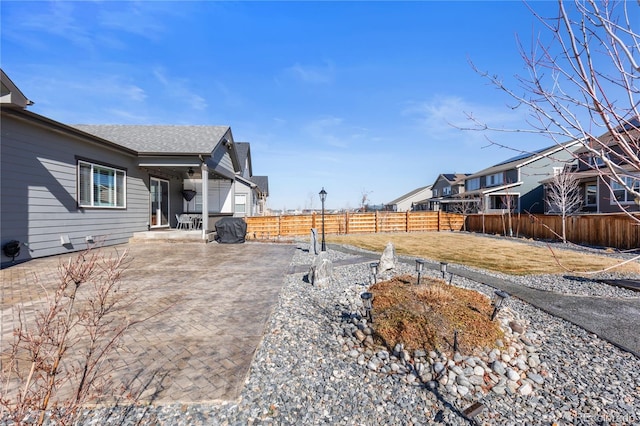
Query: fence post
407 221
279 225
376 218
438 220
346 223
313 220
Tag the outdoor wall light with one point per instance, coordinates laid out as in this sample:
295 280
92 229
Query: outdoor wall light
373 267
500 296
419 268
367 301
443 268
323 197
190 172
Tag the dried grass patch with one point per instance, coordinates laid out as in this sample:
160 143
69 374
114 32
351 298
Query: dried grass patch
510 256
425 316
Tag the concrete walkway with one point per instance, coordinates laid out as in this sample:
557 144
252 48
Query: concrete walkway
612 319
615 320
207 306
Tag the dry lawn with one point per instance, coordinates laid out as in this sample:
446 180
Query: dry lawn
510 256
425 316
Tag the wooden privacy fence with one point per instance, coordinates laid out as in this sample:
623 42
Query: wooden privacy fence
267 227
603 230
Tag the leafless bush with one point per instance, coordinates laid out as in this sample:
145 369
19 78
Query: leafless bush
563 196
56 363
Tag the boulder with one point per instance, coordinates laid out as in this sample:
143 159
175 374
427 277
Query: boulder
321 271
388 259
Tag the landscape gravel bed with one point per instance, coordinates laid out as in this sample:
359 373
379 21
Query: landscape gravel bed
313 368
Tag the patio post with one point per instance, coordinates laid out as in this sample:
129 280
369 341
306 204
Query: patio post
204 172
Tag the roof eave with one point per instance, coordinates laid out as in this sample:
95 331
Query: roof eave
41 120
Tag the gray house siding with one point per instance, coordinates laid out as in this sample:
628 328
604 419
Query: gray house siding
439 186
223 164
530 201
531 190
38 190
241 188
521 179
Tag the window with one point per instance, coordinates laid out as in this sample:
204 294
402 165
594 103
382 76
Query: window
241 203
495 179
595 161
101 186
619 192
473 184
591 194
435 192
446 190
503 202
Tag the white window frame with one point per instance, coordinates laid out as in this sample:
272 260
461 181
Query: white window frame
495 179
446 190
631 182
586 194
473 184
243 204
115 191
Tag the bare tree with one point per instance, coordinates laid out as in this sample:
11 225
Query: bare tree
563 196
364 199
584 84
481 205
311 198
466 206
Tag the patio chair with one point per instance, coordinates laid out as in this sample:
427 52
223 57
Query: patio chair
184 221
196 221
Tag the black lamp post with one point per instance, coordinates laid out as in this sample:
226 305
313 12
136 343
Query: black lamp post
323 197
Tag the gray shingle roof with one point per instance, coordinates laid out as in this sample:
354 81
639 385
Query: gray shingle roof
523 159
151 139
408 195
242 148
262 182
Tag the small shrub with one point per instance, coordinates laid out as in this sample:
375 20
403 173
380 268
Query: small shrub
56 363
425 316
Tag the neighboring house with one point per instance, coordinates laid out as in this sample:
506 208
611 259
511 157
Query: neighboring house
64 186
262 183
443 189
408 201
514 184
600 192
251 192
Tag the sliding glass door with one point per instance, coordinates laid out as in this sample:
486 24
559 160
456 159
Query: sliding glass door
159 208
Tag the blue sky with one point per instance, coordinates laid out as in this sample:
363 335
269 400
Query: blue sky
351 96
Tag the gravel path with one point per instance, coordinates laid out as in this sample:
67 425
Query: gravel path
314 367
